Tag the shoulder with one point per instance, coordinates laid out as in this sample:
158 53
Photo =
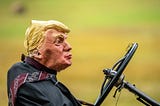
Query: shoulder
17 69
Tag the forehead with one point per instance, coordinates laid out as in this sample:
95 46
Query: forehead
52 33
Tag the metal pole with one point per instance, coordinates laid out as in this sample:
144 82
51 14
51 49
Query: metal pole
141 96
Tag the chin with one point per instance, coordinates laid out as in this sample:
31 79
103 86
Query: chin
63 67
69 63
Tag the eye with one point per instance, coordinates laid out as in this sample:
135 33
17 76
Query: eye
59 40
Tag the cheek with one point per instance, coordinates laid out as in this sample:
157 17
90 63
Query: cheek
53 54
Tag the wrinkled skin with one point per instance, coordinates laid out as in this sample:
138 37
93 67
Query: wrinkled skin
54 53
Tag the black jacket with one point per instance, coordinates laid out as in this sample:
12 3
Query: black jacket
36 92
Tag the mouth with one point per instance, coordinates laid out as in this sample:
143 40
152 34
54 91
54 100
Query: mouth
68 57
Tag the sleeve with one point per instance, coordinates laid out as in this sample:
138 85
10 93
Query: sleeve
31 95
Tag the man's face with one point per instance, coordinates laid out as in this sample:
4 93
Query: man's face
55 51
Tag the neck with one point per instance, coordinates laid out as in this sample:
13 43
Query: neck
38 65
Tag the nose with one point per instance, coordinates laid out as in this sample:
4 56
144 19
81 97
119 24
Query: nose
67 46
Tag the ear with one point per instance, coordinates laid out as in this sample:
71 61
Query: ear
37 55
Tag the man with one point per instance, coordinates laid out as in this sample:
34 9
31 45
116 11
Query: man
33 82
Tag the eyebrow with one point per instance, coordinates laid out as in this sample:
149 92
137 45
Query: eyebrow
55 36
61 35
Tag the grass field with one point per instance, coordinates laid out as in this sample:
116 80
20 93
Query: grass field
100 33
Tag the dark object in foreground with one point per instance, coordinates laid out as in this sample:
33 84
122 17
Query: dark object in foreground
116 78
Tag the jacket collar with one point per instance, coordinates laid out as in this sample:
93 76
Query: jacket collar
38 65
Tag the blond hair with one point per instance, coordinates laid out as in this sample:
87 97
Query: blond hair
35 33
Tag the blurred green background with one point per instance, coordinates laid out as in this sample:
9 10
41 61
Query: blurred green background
100 33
